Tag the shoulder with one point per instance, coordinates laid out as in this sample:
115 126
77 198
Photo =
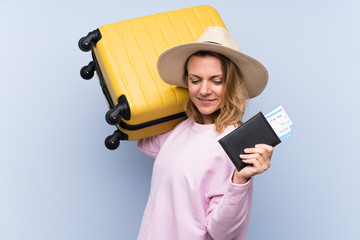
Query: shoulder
184 124
227 130
152 145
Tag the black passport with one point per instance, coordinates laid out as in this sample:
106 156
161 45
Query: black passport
256 130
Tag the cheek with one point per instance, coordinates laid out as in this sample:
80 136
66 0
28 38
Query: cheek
219 91
192 90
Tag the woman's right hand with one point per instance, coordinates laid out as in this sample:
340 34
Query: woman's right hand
258 159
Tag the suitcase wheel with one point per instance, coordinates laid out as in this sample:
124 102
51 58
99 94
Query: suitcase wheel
112 142
87 72
86 43
121 110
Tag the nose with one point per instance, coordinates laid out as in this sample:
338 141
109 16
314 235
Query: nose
205 88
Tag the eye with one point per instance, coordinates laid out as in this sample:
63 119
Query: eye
217 80
194 80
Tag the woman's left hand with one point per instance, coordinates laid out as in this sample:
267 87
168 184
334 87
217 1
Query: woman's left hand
259 159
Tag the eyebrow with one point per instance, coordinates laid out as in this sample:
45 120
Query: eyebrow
212 77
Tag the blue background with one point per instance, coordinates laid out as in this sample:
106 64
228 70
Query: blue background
58 181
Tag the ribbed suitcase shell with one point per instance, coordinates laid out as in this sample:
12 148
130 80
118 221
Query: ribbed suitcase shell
127 55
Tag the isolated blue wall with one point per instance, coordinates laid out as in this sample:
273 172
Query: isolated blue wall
58 181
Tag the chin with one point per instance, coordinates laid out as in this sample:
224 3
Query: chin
210 112
207 113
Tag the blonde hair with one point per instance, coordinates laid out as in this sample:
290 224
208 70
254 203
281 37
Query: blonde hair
234 97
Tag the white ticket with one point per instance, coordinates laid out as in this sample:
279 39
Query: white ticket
280 122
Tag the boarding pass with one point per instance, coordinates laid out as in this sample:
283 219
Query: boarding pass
280 122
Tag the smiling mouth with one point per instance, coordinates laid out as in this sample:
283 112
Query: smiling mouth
206 100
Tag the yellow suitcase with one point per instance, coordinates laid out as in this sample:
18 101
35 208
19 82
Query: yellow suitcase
125 56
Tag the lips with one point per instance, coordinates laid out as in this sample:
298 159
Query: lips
206 101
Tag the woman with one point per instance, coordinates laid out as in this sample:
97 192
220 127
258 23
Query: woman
196 192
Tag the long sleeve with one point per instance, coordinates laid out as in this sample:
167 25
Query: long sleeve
151 145
228 215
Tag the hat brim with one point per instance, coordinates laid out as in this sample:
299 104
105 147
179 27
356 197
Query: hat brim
171 65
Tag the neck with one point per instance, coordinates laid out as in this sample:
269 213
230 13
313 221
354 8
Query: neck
210 119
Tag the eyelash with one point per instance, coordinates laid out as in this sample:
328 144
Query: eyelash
216 82
194 81
219 82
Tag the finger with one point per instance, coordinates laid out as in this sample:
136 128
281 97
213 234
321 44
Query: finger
255 167
266 146
262 160
262 149
250 155
260 157
258 164
269 149
256 152
255 156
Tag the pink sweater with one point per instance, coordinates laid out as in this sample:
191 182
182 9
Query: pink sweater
191 196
